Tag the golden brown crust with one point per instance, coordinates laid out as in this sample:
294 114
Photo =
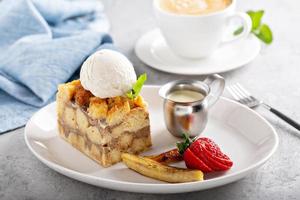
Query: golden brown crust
82 96
139 102
99 108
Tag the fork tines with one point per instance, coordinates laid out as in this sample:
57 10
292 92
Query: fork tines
240 94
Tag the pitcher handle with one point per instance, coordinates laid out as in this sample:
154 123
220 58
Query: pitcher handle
216 83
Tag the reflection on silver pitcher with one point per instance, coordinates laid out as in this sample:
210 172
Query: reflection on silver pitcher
186 104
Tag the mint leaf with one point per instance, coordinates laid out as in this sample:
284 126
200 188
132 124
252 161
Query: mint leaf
238 31
255 17
136 89
139 83
130 94
261 31
265 34
182 146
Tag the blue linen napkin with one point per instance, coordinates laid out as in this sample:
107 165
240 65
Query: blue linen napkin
42 44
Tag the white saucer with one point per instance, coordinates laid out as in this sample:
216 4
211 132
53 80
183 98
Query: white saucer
152 49
247 138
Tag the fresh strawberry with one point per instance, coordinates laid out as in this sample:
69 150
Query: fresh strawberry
203 154
198 148
218 156
215 149
193 162
211 154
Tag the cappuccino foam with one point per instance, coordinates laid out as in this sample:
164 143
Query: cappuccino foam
194 7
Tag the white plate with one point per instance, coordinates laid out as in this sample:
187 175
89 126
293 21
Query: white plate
241 133
151 48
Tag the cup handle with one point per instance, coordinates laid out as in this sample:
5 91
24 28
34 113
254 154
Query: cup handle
246 24
216 84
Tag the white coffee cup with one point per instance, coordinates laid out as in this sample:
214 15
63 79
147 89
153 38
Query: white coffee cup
198 36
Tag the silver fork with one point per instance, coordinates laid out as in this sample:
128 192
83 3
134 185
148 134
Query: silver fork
240 94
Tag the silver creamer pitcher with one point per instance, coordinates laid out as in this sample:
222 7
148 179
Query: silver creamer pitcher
190 117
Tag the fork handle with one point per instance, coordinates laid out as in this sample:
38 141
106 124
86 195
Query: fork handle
285 118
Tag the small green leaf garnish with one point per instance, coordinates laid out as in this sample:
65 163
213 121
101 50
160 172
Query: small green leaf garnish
238 31
136 89
256 18
182 146
265 34
261 31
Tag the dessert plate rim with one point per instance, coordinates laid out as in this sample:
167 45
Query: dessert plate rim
154 187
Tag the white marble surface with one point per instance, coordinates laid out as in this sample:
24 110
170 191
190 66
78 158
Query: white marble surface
273 76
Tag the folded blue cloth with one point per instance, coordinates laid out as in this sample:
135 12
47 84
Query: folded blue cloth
42 44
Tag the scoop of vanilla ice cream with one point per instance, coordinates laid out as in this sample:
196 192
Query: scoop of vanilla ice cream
107 73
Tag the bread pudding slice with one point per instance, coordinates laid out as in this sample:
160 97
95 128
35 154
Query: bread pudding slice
102 128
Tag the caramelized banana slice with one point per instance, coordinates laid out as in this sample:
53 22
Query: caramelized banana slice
167 157
153 169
